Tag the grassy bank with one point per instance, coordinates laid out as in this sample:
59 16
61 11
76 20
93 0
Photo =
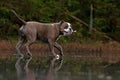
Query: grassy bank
71 48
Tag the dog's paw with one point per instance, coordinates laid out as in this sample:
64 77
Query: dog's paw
57 57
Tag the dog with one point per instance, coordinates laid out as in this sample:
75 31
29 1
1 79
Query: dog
47 32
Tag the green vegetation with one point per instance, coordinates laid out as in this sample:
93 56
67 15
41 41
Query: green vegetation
106 17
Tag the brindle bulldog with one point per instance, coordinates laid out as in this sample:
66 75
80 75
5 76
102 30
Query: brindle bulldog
47 32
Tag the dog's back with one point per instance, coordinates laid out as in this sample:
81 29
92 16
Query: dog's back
35 30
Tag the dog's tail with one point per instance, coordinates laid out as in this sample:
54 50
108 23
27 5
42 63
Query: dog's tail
21 20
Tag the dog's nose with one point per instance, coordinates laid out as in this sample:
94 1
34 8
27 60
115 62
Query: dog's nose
70 29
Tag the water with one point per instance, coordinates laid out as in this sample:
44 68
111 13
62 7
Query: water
68 68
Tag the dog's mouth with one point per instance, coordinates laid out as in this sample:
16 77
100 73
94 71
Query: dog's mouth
67 33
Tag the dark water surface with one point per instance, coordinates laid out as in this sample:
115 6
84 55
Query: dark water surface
68 68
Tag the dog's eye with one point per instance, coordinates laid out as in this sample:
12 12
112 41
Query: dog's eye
66 27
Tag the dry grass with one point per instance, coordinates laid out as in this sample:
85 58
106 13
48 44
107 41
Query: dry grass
7 48
108 47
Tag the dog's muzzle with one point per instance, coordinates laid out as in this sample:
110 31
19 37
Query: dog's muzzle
68 31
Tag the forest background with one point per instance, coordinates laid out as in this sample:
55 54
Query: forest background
106 18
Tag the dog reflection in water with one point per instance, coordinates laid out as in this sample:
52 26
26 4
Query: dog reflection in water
20 72
54 66
25 73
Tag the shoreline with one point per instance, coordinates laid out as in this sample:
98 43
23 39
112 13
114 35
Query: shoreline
76 48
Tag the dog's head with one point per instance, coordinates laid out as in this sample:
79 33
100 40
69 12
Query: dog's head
65 28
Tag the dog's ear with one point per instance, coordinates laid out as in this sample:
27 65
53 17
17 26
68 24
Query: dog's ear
60 26
61 22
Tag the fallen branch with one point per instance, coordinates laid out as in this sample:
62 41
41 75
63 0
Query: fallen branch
79 20
87 25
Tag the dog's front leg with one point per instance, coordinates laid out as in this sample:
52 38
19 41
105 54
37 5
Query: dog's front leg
51 46
59 48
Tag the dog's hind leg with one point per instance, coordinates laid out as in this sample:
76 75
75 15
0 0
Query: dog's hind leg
27 48
18 46
31 39
59 48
